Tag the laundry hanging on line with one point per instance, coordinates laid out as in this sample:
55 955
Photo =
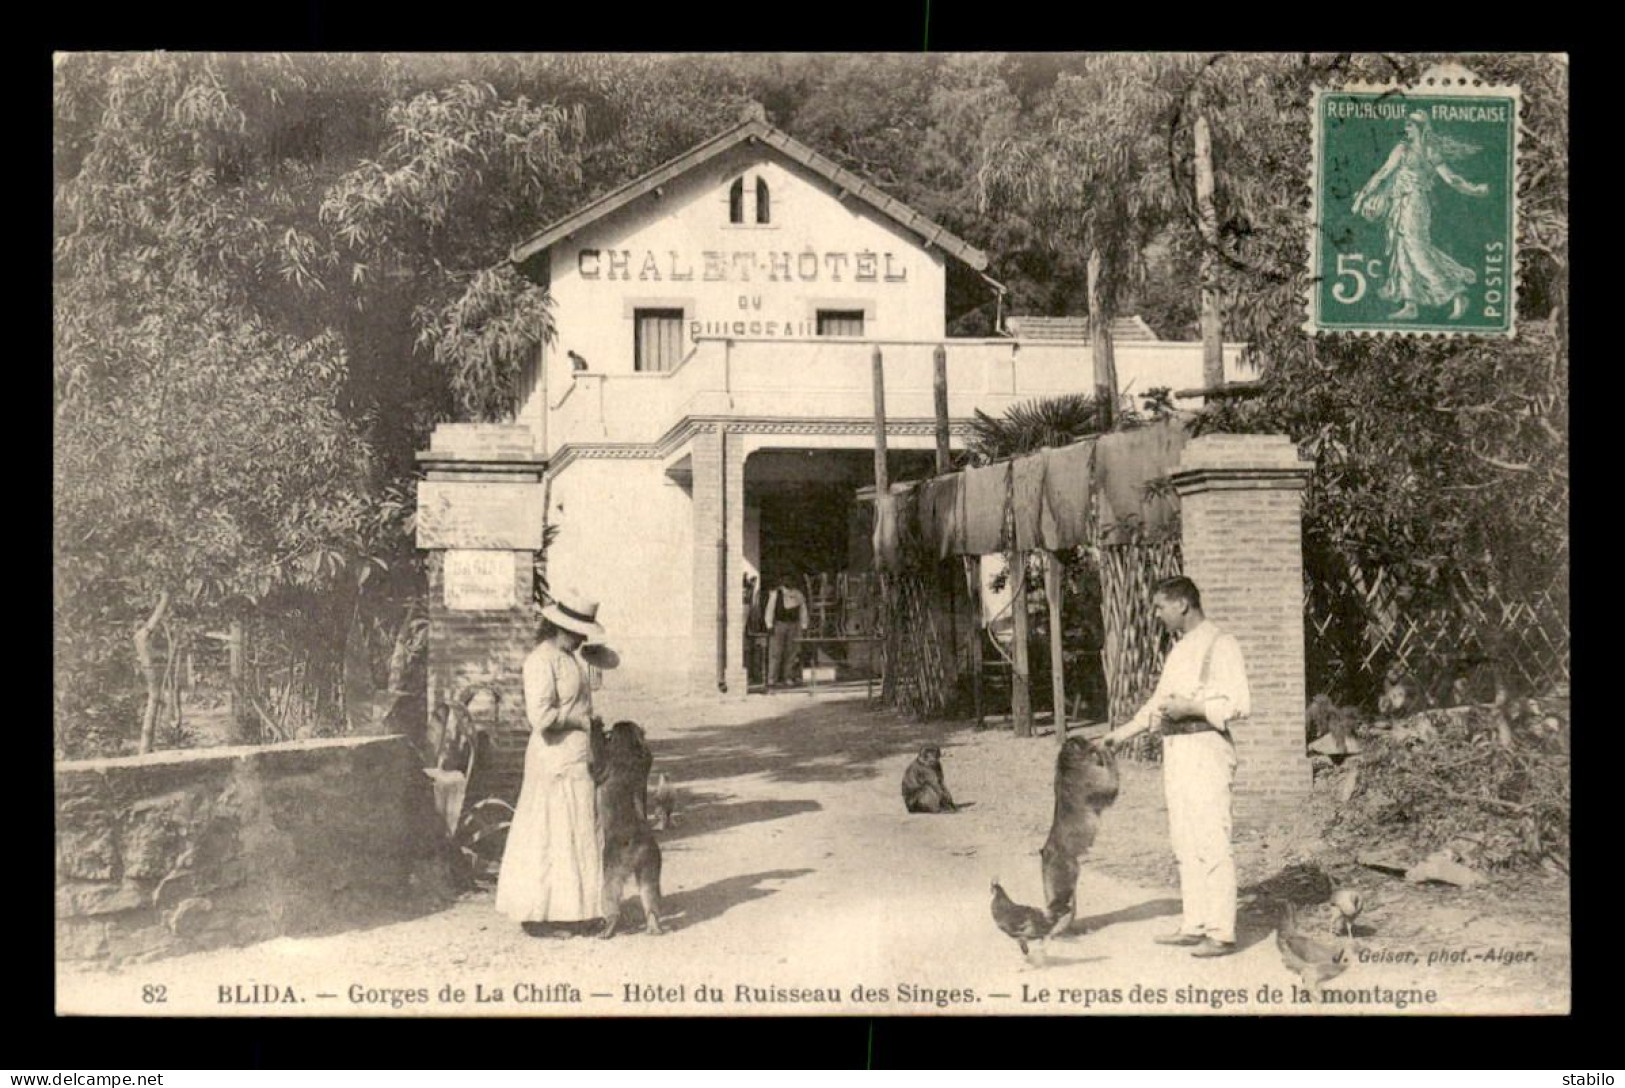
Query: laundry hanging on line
1068 484
942 515
1127 461
886 532
1027 499
1047 495
986 491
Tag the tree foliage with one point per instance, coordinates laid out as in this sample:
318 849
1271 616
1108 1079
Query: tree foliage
273 274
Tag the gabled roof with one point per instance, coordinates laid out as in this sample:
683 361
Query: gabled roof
1027 327
753 129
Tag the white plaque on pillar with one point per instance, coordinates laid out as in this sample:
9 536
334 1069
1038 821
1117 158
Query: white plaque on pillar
478 580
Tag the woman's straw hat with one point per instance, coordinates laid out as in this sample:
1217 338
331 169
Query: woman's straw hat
574 612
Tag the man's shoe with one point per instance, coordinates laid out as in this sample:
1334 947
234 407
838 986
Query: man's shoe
1183 940
1210 948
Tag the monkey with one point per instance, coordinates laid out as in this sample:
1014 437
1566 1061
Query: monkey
598 751
1085 786
924 789
630 850
1401 695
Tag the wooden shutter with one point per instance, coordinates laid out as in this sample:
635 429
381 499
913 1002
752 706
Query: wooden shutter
659 339
840 322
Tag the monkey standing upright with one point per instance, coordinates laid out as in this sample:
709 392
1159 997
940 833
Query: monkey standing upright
924 788
630 850
1085 784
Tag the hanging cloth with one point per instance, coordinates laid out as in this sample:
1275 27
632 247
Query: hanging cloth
985 492
1027 498
1125 462
942 519
1068 482
886 532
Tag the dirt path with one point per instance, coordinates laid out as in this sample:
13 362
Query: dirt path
796 884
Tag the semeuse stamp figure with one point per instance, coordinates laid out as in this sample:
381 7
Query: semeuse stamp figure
1400 193
1414 221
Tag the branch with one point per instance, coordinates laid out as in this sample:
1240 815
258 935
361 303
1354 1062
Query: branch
143 652
1492 802
1465 409
1509 466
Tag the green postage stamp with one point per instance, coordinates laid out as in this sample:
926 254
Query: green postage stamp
1415 208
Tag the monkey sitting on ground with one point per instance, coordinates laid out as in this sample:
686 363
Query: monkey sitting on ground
1401 695
924 789
630 850
1085 785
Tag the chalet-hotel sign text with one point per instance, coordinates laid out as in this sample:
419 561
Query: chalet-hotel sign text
742 266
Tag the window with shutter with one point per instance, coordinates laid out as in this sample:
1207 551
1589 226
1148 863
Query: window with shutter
736 201
658 339
762 202
840 322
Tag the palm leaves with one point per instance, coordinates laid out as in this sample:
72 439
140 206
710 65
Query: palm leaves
1032 425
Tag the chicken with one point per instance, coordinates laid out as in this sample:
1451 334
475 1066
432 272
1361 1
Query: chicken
1023 923
1312 961
663 808
1349 903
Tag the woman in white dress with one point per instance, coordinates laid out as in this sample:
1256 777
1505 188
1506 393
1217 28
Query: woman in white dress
552 863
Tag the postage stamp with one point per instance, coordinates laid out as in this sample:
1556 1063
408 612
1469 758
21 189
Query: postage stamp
1413 230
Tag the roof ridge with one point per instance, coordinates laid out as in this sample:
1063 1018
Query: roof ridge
932 232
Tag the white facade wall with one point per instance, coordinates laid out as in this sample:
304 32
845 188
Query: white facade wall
625 537
679 250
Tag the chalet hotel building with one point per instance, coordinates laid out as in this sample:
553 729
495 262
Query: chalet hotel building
704 414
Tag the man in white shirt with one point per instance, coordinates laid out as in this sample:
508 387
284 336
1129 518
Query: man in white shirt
1203 688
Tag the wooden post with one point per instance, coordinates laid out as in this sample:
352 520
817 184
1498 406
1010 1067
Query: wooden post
1021 699
882 484
1057 666
888 686
973 577
1208 220
234 669
1100 342
939 383
724 591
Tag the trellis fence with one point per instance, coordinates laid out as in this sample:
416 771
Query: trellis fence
1361 627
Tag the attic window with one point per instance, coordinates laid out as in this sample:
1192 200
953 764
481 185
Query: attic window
736 201
762 205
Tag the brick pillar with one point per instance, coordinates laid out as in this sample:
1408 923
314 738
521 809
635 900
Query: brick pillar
735 481
706 461
480 510
719 514
1242 521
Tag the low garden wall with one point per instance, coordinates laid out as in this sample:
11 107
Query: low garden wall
181 851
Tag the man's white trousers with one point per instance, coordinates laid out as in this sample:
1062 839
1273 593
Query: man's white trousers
1198 773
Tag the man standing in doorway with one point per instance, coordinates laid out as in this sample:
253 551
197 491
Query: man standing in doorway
785 618
1203 688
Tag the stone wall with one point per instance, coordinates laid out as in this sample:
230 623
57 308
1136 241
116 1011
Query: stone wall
176 852
482 651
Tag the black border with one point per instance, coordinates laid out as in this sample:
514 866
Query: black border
40 1040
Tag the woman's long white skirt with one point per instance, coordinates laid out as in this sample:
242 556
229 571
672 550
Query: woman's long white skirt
552 866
